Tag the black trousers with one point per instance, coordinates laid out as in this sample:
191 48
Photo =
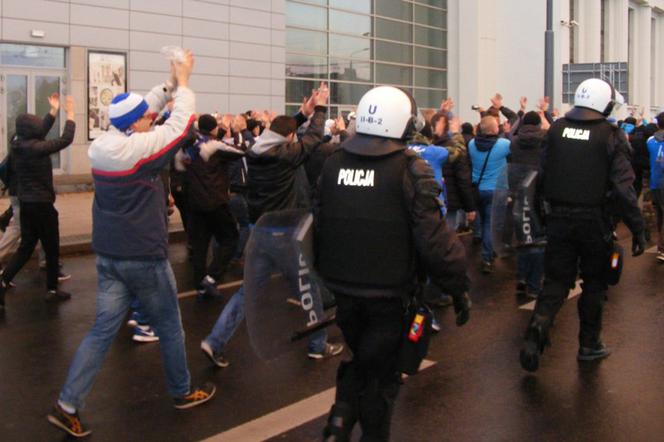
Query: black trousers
368 385
220 224
576 245
39 222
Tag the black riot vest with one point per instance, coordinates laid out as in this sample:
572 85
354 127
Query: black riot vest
577 167
363 232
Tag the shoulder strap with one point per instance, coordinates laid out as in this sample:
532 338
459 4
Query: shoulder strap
486 160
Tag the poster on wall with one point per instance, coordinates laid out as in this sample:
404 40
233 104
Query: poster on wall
107 77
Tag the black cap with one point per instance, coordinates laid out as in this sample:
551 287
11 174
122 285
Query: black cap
207 123
532 118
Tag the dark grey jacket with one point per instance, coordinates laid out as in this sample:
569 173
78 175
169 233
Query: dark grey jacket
31 157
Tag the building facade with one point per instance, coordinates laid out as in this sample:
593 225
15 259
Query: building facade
268 54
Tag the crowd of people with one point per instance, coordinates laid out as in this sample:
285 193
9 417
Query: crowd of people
224 171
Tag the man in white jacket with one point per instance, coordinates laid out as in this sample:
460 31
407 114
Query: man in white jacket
129 235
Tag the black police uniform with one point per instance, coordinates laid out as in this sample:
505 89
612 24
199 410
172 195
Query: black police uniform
377 217
585 159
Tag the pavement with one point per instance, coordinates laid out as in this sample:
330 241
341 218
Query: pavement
75 214
471 387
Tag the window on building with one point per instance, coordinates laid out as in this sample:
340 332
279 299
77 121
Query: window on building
358 44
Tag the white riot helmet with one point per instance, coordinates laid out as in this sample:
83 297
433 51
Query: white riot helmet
388 112
597 95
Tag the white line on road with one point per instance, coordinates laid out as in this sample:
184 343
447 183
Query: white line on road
287 418
576 291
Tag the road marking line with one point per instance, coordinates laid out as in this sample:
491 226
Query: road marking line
287 418
576 291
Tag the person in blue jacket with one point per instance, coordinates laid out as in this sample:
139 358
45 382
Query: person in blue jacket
656 153
488 155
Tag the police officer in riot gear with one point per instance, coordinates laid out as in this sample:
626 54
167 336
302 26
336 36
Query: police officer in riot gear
585 159
378 223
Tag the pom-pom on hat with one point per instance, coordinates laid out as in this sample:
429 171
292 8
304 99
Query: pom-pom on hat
126 109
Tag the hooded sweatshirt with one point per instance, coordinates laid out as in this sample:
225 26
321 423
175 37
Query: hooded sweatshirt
273 163
656 151
31 157
478 149
526 146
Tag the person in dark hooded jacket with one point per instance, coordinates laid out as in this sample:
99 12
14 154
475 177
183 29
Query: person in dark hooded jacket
640 159
274 162
526 151
456 170
31 162
208 197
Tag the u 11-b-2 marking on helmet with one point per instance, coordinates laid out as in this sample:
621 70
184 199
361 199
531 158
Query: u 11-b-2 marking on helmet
576 134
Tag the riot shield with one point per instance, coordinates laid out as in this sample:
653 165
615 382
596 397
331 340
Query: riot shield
515 223
282 291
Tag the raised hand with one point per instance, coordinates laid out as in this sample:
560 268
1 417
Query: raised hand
54 102
182 71
454 125
69 107
323 94
497 101
447 105
523 102
543 104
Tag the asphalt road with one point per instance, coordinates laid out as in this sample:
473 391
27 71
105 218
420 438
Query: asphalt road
472 390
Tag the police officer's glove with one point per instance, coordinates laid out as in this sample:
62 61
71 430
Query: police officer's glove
639 244
462 304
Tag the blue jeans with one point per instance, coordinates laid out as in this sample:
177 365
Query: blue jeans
272 258
119 282
530 268
238 205
484 216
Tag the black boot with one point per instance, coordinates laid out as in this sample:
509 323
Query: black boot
340 423
344 412
533 347
376 407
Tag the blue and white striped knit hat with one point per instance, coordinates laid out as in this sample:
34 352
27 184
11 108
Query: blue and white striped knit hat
126 109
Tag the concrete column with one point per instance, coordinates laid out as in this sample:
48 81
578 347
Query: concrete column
657 97
464 56
75 158
588 31
616 30
561 53
640 68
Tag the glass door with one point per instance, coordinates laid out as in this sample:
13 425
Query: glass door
24 91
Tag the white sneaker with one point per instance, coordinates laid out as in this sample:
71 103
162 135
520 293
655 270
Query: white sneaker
144 333
660 257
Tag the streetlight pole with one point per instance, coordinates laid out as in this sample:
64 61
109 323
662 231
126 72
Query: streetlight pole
548 53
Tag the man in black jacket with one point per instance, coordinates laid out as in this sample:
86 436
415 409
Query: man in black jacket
585 158
31 162
273 161
377 218
526 151
207 197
